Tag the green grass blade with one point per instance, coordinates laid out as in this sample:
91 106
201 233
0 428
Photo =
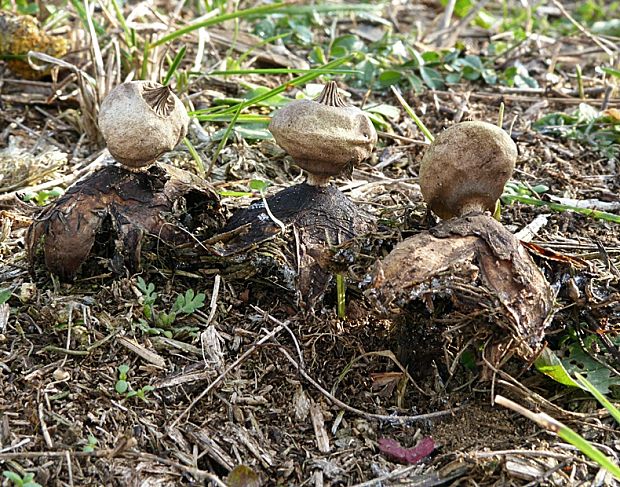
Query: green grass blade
551 424
601 215
245 118
283 71
613 410
175 64
341 296
412 114
144 69
224 140
81 11
611 71
200 167
288 8
283 87
123 22
589 450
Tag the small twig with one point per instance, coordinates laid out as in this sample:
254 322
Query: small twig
69 468
287 328
81 353
214 295
500 118
147 355
445 23
359 412
44 430
378 481
25 441
67 179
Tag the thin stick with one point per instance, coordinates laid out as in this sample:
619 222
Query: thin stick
359 412
412 114
228 369
582 29
500 118
214 295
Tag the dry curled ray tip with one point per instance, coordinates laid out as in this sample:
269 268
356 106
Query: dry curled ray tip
117 215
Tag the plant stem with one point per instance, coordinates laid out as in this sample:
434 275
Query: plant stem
341 289
200 167
411 113
579 82
602 215
553 425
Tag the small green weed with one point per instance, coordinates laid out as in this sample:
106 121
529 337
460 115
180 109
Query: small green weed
141 393
600 130
123 387
43 197
18 481
91 444
160 322
5 295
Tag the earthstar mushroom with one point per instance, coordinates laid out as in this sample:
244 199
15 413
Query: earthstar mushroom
140 121
325 138
469 266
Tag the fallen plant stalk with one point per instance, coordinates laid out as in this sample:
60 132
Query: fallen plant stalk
554 426
602 215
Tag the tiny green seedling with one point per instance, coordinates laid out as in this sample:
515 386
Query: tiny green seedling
43 197
141 393
160 322
123 387
121 384
91 445
18 481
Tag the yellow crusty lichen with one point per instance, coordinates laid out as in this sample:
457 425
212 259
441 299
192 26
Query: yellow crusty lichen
20 34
